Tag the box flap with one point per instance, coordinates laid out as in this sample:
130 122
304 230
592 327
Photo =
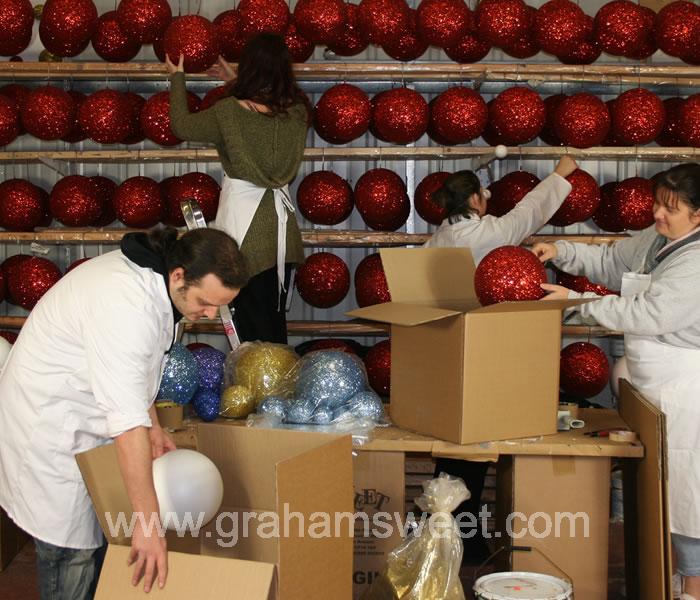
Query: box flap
398 313
428 275
533 305
189 577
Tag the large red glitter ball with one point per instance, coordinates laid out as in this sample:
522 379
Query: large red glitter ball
324 198
342 114
423 201
18 94
502 22
21 205
526 45
583 370
74 201
16 19
582 121
67 26
507 274
638 117
581 284
105 193
138 202
213 96
548 134
351 41
585 51
400 115
470 49
327 344
321 21
136 104
620 27
648 45
509 190
458 115
671 133
31 279
110 42
48 113
560 26
635 203
382 200
612 138
230 36
195 38
607 217
300 48
582 201
263 16
9 121
76 263
9 269
10 336
323 280
105 117
155 118
677 26
378 365
689 128
76 134
443 22
407 45
382 20
144 20
192 186
518 114
370 282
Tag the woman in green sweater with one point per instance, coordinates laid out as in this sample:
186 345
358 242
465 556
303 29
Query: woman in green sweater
259 131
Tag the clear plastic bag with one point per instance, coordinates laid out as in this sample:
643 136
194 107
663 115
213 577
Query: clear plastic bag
426 565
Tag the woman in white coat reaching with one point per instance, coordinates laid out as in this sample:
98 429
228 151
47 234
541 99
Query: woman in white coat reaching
658 272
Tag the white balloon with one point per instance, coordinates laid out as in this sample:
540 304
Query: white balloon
619 371
188 485
5 348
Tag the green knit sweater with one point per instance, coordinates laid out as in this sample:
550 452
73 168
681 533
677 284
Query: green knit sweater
255 147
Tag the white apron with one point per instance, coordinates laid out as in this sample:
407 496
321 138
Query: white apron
237 205
669 377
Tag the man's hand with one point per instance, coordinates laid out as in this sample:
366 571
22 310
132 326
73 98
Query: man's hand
544 251
161 442
180 68
222 70
555 292
149 555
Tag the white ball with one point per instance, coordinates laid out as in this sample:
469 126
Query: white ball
501 151
187 482
5 348
619 371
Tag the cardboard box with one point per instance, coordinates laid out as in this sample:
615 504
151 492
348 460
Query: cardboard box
459 371
12 539
379 488
264 471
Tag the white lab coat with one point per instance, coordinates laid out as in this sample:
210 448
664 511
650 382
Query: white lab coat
483 234
86 368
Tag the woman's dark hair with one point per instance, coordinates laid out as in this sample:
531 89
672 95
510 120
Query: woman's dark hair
265 75
454 194
681 182
201 252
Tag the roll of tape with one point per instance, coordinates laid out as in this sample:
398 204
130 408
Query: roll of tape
623 436
576 424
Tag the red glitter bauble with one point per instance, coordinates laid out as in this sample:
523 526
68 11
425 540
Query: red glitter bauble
342 114
105 193
381 21
612 138
136 104
18 94
77 134
548 134
9 121
10 336
67 25
607 216
9 269
16 19
76 263
582 121
230 36
581 284
582 201
351 41
159 47
492 134
509 190
458 115
502 22
677 26
324 198
518 114
144 20
400 115
138 202
560 26
381 200
508 274
21 205
638 117
47 218
213 96
407 45
620 27
110 42
195 345
423 201
443 22
378 365
263 16
329 344
671 133
689 123
74 201
648 45
320 21
583 370
370 282
526 45
194 37
300 48
31 279
196 186
323 280
470 49
635 203
584 52
155 118
48 113
105 117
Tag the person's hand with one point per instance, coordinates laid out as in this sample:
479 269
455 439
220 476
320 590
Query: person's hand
180 68
544 251
161 442
555 292
566 166
149 555
222 70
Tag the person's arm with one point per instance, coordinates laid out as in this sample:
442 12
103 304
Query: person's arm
161 442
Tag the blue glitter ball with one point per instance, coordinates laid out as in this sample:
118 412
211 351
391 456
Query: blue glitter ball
330 377
366 405
300 411
180 376
206 404
322 416
274 405
210 363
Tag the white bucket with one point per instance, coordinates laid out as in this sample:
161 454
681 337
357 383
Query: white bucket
521 586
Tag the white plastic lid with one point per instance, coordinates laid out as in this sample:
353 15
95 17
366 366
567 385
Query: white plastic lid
521 585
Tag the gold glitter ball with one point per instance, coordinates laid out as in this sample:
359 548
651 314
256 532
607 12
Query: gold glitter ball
237 402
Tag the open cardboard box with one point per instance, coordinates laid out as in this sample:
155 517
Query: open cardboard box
263 470
459 371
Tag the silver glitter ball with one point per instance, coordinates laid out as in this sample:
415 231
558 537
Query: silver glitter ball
322 416
274 405
367 405
330 377
300 411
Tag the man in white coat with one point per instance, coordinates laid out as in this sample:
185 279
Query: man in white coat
85 370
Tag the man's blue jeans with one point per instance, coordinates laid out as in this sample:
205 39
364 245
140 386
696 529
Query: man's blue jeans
67 573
